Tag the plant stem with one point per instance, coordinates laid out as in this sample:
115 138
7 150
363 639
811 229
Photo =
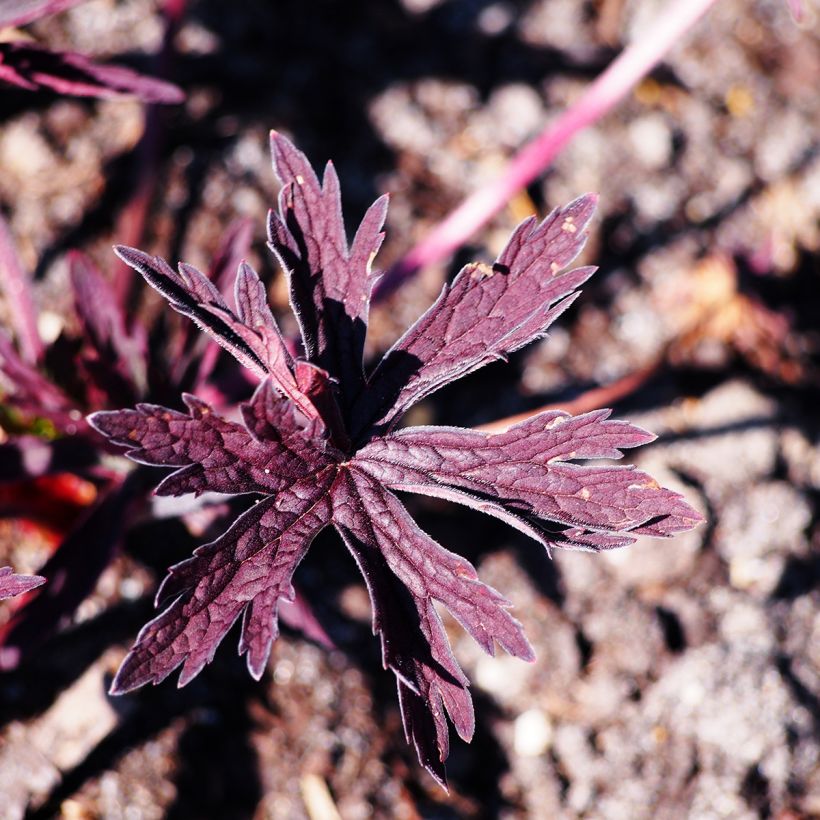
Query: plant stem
631 65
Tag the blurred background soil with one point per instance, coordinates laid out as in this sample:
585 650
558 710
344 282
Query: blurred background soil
675 679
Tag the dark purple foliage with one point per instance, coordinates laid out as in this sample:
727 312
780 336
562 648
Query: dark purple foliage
109 363
316 444
11 584
32 67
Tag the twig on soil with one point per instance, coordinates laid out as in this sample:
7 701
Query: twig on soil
589 400
634 63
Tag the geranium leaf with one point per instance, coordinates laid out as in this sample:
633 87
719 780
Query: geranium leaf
330 283
386 542
32 67
527 471
251 334
430 683
215 454
364 507
249 567
319 450
485 314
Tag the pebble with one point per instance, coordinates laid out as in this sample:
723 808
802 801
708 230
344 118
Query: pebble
532 733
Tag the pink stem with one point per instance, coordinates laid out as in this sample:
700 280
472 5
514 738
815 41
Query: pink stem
631 65
796 8
16 286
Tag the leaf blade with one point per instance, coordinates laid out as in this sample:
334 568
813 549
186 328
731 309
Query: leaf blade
330 283
485 314
528 472
255 557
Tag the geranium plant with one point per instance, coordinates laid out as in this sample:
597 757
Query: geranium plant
320 446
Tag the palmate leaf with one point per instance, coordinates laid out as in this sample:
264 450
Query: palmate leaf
247 570
528 471
315 443
487 313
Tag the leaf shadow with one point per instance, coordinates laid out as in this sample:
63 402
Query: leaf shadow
214 742
36 684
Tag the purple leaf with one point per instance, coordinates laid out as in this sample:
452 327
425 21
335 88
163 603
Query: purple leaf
362 506
431 684
251 334
526 472
385 540
293 447
330 283
232 251
11 584
32 67
248 569
215 454
20 12
119 361
485 314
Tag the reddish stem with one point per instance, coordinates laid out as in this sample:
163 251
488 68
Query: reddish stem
631 65
592 399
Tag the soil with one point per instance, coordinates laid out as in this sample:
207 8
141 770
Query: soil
674 679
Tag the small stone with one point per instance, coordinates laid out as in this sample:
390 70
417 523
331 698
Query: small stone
532 733
652 141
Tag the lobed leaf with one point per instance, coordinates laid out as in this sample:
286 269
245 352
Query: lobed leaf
525 474
430 683
248 569
363 506
315 443
266 454
32 67
389 547
485 314
251 334
330 284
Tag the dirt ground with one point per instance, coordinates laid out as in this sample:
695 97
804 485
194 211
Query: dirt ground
674 679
